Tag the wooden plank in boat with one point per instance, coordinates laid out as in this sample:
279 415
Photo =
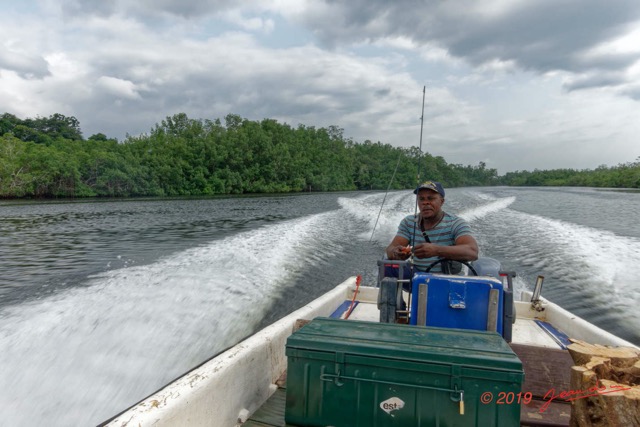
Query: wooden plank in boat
545 369
271 414
555 415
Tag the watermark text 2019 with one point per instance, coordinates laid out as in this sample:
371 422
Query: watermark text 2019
508 398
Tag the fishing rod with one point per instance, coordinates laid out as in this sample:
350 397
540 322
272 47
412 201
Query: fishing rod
385 196
424 90
415 212
396 169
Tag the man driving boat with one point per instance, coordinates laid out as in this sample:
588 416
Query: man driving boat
436 234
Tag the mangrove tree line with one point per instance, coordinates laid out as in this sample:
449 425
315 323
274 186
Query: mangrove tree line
49 157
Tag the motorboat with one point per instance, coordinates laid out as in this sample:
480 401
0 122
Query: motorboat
420 330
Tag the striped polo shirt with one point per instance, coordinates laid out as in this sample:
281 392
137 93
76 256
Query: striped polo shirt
445 234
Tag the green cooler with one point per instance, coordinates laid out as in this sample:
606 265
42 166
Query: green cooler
346 373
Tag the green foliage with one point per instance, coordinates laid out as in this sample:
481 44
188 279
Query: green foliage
8 122
47 157
625 175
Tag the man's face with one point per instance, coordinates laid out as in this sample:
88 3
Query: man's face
429 203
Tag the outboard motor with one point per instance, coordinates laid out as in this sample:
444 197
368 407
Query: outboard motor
487 267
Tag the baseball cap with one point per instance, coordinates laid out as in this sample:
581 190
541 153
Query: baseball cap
430 185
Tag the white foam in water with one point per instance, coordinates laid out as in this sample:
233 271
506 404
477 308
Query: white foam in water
481 196
70 359
608 260
486 209
519 285
400 204
366 209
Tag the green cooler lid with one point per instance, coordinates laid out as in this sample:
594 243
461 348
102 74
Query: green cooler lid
471 348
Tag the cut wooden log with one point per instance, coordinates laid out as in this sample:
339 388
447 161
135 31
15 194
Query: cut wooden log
605 385
621 357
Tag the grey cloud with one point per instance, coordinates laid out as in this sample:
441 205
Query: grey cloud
88 7
540 36
610 61
305 84
633 93
148 8
610 79
28 66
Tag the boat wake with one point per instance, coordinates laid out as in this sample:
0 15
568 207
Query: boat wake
481 211
400 204
130 331
578 260
366 211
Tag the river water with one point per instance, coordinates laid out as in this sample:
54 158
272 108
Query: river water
103 302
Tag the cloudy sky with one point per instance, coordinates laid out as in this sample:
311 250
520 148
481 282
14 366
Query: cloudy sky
518 84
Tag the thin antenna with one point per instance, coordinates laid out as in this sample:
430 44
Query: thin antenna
424 89
395 170
415 213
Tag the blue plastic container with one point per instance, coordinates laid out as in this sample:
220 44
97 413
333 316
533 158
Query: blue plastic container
458 302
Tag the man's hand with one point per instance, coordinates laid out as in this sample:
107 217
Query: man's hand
465 249
401 252
427 250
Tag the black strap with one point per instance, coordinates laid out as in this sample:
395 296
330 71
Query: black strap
424 232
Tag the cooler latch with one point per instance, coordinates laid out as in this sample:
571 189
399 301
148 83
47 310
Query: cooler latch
457 395
339 367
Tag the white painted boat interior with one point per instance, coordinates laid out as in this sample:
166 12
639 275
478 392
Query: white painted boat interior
572 325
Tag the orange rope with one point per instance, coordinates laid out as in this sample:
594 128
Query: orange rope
353 300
